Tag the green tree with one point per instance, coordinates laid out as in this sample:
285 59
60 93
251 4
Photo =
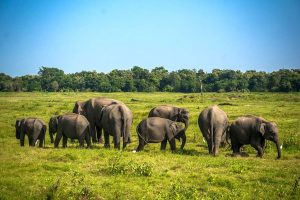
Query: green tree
49 75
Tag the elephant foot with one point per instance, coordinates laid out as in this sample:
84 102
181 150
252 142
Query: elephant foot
100 141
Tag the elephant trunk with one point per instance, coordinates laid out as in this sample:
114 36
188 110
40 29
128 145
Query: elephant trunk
51 136
278 149
183 139
186 124
17 134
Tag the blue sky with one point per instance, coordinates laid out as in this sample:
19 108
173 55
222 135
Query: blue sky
76 35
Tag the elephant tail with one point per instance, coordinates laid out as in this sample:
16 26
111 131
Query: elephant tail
138 131
123 122
212 135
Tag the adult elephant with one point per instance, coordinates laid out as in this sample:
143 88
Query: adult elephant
213 123
91 109
72 126
156 129
34 128
172 113
116 120
255 131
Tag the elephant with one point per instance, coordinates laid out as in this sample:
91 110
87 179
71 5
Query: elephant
91 109
172 113
213 123
255 131
72 126
34 128
116 120
156 129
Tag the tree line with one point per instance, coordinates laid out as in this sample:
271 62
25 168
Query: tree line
158 79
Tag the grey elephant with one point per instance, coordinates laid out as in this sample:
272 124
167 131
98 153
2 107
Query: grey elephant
156 129
72 126
254 131
213 123
172 113
91 109
34 128
116 120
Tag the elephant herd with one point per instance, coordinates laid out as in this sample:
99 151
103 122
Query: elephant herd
89 118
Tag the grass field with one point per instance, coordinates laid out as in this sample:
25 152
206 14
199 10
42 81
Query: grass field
73 173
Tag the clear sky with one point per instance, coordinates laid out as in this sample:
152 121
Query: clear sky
102 35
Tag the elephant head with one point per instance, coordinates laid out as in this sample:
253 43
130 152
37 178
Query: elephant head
78 108
18 128
269 131
183 116
53 123
178 132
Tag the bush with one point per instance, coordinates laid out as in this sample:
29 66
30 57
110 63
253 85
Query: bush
117 166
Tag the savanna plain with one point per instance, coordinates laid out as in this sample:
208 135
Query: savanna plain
99 173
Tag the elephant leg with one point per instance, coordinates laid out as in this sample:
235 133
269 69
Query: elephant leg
117 142
124 142
22 138
163 144
99 134
235 146
217 142
42 138
142 143
65 141
223 140
93 132
31 141
88 140
172 144
256 143
81 141
57 139
208 140
259 150
129 139
106 140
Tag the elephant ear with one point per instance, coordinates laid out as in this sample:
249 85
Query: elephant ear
261 128
171 133
57 118
18 123
101 113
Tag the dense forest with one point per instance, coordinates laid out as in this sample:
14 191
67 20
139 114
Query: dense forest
158 79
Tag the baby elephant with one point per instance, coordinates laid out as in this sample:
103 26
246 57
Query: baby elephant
255 131
32 127
213 124
72 126
156 129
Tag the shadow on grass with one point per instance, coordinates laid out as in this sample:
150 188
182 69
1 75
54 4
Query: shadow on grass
190 152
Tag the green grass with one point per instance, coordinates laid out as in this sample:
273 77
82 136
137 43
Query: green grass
73 173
